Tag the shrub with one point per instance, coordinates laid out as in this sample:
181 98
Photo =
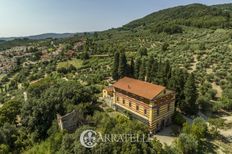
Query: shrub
178 119
187 143
109 110
217 122
165 46
202 46
204 103
199 128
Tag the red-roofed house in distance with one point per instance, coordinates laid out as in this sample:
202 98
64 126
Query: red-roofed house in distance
151 104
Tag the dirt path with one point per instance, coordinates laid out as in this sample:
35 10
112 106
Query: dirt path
105 55
227 132
194 64
165 136
34 81
222 147
218 89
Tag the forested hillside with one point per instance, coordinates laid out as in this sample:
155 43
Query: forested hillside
188 49
195 37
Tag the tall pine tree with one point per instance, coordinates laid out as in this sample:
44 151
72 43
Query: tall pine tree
115 75
189 106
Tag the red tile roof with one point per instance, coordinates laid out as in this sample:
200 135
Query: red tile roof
138 87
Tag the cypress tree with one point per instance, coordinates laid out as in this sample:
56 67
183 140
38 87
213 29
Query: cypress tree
142 70
177 82
123 69
142 51
132 68
160 74
189 105
137 68
154 70
115 75
149 69
172 82
166 72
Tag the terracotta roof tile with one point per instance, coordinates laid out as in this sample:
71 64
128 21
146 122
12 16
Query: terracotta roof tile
138 87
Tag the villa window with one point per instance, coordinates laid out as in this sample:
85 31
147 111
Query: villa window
137 107
145 111
168 107
129 104
117 99
123 101
158 112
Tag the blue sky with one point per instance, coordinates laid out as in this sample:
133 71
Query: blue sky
29 17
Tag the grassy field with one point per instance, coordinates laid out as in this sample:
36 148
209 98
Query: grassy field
75 62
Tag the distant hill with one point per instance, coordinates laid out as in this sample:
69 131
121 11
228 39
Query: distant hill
51 35
180 22
195 15
196 37
225 7
41 36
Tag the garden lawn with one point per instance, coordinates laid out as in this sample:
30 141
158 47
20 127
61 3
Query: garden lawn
75 62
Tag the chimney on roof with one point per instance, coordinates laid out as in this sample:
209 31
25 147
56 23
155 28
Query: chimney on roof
129 86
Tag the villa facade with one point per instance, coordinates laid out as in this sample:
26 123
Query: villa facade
151 104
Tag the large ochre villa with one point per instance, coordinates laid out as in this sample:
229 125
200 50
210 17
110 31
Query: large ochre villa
151 104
